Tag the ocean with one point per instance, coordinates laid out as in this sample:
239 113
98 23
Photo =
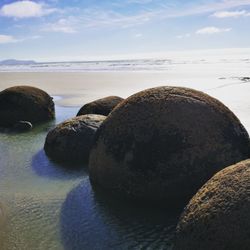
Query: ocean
154 64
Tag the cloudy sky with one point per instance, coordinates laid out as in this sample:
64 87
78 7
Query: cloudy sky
84 29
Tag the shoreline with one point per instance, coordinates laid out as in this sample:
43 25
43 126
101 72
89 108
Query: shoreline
77 89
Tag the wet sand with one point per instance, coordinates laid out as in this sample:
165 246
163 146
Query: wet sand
73 89
77 88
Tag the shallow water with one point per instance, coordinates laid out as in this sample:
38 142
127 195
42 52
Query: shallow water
44 206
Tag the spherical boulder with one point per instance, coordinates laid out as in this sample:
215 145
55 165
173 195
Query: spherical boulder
72 140
101 106
164 143
218 216
25 103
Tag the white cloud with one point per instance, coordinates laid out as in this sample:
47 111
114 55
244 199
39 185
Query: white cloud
63 25
225 14
25 9
98 18
4 39
94 18
7 39
211 30
199 9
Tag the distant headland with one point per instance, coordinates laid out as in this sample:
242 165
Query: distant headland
17 62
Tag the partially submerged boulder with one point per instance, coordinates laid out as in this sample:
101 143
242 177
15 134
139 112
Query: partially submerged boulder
25 103
72 140
164 143
101 106
218 216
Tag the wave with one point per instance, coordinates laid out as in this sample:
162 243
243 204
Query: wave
118 65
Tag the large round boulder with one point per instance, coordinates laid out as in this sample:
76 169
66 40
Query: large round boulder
164 143
72 140
101 106
218 216
25 103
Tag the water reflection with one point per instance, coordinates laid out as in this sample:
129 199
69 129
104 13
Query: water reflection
92 221
44 167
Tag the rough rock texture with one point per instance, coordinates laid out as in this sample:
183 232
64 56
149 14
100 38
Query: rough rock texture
22 126
72 140
163 144
101 106
218 216
25 103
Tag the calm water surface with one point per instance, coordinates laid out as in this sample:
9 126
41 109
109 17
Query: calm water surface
44 206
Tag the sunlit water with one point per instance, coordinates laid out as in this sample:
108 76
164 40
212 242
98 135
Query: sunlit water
44 206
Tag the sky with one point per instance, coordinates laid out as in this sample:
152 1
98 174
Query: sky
60 30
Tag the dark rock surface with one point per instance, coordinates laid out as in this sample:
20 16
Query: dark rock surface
245 79
101 106
22 126
25 103
218 216
72 140
163 144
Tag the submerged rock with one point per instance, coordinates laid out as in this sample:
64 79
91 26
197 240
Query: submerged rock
22 126
72 140
25 103
218 216
164 143
101 106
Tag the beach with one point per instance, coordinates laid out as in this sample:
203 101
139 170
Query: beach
223 81
47 207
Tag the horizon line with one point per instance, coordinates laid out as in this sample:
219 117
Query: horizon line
123 57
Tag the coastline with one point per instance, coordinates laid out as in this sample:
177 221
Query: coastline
74 89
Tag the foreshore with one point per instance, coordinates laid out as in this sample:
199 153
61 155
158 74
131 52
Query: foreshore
77 88
73 89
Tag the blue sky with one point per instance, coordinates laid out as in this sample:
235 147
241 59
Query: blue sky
52 30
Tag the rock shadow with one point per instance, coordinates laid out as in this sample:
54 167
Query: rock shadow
44 167
91 220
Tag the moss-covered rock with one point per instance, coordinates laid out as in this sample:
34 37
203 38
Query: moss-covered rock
25 103
101 106
72 140
218 216
164 143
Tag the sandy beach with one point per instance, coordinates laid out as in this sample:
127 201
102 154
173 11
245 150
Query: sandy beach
73 89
